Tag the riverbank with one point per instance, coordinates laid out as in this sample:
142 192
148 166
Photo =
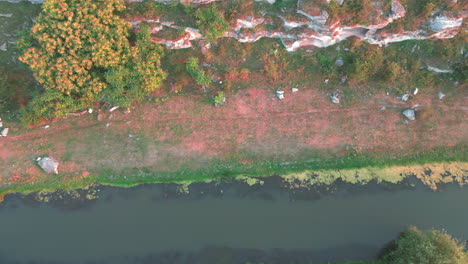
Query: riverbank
176 135
185 140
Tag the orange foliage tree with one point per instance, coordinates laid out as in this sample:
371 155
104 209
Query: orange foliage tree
80 52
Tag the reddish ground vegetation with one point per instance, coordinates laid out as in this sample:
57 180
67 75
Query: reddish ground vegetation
186 132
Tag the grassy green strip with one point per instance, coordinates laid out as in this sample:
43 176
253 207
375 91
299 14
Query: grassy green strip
228 170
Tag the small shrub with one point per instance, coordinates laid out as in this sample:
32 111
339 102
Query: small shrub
197 73
219 99
211 22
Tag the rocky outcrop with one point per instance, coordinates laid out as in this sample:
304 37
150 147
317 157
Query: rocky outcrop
195 2
311 27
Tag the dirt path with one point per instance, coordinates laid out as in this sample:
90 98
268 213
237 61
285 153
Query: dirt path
186 132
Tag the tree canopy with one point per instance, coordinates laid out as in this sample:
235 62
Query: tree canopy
430 247
80 52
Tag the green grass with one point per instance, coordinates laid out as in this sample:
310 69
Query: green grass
223 170
228 170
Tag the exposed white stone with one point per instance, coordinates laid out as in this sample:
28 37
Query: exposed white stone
409 113
49 165
415 92
441 95
441 23
437 70
404 97
339 62
280 95
294 90
4 132
113 108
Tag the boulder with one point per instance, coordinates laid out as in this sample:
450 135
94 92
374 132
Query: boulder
280 95
112 109
335 98
339 62
409 114
294 90
441 95
4 132
404 97
49 165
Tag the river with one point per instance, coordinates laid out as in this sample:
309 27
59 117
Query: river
216 223
227 223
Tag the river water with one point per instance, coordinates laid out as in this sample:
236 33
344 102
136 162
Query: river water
227 223
221 224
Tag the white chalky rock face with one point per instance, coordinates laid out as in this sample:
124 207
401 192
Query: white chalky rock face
442 23
313 28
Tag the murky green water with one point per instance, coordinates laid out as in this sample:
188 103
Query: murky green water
152 225
225 224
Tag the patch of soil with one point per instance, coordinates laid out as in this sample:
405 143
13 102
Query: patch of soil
187 132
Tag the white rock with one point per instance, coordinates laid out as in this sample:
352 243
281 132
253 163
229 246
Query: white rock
4 132
46 126
326 81
49 165
415 91
404 97
113 108
280 95
107 125
441 23
438 70
1 124
339 62
335 99
441 95
90 110
294 90
409 113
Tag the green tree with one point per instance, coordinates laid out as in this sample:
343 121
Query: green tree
79 51
430 247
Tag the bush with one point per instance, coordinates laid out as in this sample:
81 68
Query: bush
219 99
197 73
80 52
211 22
429 247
